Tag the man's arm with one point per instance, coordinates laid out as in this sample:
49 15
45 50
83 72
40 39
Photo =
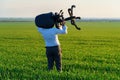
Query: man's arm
62 29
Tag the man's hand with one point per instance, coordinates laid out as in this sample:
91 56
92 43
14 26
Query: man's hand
60 25
63 23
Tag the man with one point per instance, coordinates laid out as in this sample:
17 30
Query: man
53 50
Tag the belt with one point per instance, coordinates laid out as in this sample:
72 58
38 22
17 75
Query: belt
51 46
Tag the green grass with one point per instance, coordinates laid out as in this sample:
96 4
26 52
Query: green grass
90 54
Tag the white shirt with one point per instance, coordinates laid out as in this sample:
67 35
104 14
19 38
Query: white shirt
50 35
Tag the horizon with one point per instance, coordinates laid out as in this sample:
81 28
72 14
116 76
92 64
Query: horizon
84 8
32 19
65 17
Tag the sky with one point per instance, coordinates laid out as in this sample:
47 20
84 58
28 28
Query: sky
84 8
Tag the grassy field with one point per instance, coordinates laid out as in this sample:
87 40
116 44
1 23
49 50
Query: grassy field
90 54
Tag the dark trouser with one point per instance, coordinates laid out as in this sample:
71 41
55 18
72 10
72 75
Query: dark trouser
54 54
